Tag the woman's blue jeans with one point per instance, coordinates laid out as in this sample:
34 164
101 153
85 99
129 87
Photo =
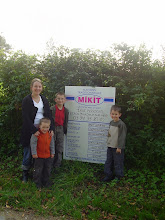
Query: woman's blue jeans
27 158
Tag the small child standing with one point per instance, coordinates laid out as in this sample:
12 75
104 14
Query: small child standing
60 117
43 150
116 144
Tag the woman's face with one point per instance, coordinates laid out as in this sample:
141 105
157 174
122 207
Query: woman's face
36 88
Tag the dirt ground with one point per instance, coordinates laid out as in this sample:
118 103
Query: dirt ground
9 214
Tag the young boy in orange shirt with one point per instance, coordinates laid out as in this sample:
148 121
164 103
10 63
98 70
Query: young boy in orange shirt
43 150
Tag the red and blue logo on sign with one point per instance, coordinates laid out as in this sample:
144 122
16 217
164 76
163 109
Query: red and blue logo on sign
90 99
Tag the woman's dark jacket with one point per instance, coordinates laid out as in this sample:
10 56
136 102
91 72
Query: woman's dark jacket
28 113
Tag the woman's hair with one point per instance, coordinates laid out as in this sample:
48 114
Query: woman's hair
35 80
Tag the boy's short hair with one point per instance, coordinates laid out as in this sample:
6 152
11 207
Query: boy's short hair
45 120
59 93
116 108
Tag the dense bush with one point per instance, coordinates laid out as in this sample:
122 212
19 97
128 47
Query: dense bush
139 80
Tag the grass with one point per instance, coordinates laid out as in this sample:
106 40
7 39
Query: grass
78 193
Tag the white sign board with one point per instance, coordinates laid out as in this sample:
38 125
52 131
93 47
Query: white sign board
89 117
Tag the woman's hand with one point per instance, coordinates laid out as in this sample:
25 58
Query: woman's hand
51 133
35 156
36 134
52 155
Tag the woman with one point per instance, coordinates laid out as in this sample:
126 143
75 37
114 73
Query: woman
34 107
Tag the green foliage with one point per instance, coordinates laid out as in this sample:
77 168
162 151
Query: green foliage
145 147
16 72
139 82
74 67
3 45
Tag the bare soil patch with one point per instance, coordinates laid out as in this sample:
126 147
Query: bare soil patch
9 214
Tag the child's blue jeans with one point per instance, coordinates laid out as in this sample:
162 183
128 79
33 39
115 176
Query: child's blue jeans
116 161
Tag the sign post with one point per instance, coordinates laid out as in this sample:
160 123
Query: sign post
89 117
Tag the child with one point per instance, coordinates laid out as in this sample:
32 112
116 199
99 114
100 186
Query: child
42 148
60 117
116 144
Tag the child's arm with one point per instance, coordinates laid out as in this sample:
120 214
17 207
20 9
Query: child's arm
52 117
121 137
33 144
66 120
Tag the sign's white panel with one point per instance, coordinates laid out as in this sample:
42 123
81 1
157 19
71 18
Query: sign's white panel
89 117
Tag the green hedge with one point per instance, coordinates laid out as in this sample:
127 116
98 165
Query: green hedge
140 83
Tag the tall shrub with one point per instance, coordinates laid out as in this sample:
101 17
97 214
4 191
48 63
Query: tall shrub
16 72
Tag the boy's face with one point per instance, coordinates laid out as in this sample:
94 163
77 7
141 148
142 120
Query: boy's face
115 115
60 100
44 127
